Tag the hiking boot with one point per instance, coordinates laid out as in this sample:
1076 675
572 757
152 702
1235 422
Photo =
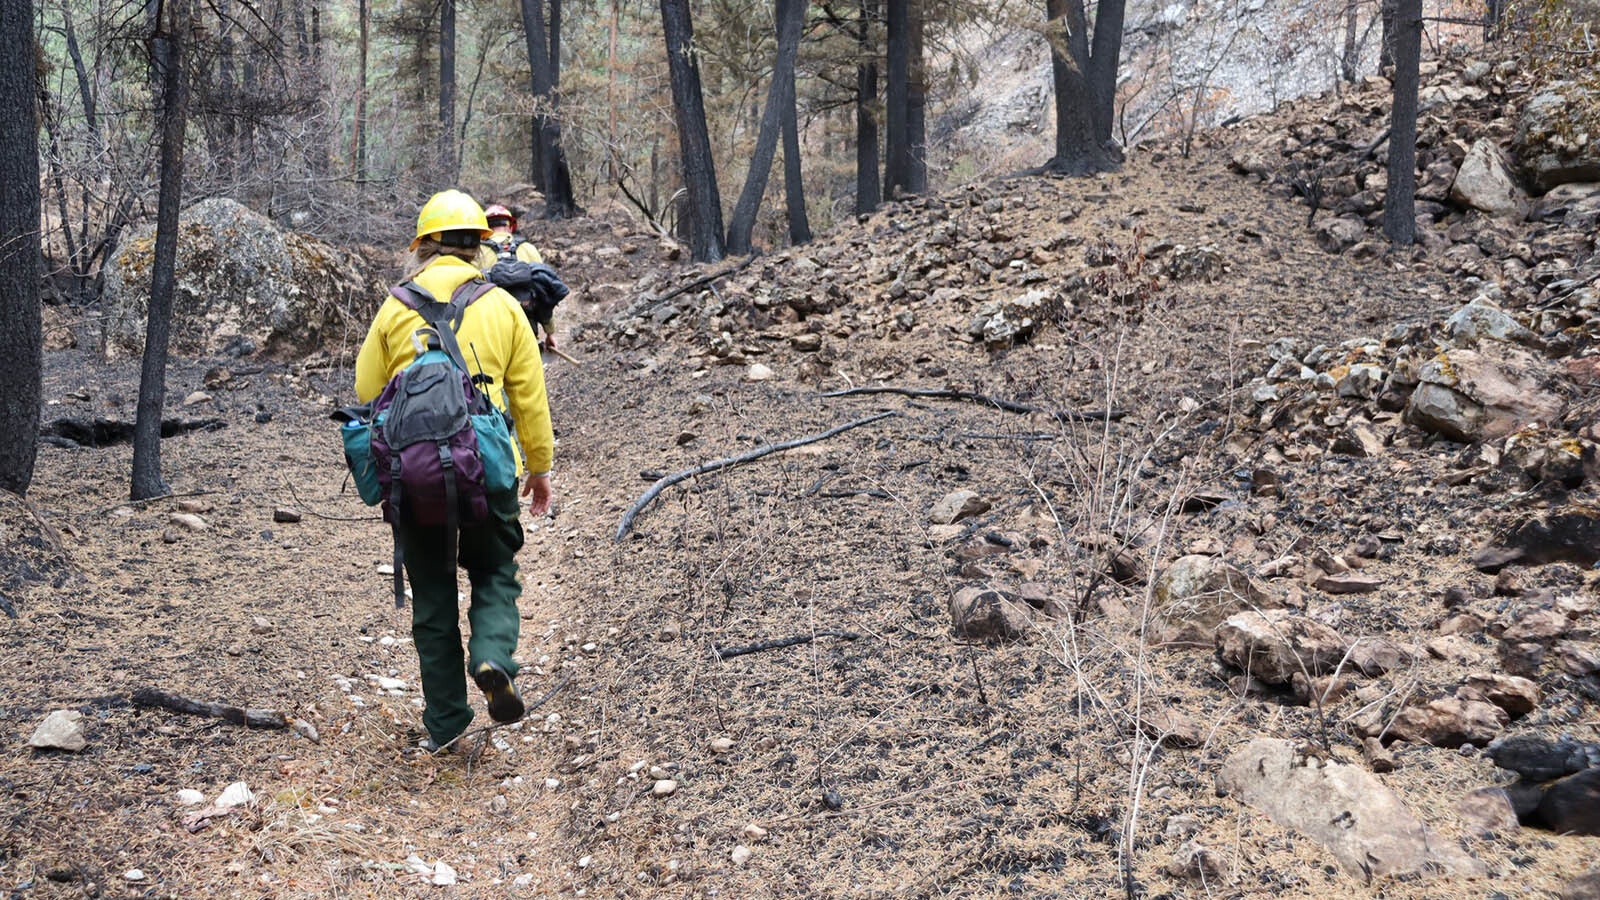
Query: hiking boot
504 704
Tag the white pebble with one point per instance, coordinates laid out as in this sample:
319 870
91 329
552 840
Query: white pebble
666 787
741 855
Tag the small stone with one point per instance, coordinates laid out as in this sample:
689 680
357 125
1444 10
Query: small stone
685 437
61 730
260 625
1488 812
832 800
306 730
189 521
133 875
236 794
958 505
666 787
754 833
285 515
196 398
741 855
759 372
390 684
1379 758
721 745
1348 584
385 569
443 874
190 797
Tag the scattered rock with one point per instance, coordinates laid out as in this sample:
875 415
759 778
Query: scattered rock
190 797
285 515
1549 157
1348 584
236 794
1488 812
741 855
664 787
1570 535
189 521
1276 644
196 398
759 372
1484 182
1379 758
958 505
1469 396
1449 722
1191 860
1539 626
1571 805
1584 887
1170 726
1517 696
60 730
1358 440
1196 593
243 285
1342 807
986 614
1537 758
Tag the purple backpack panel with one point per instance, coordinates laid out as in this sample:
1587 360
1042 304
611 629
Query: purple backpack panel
424 447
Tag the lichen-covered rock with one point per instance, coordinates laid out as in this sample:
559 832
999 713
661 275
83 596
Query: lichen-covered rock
1196 593
1551 140
1465 395
243 286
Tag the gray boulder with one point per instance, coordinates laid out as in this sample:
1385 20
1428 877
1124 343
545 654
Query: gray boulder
243 286
1344 808
1485 182
1552 151
1275 645
1469 396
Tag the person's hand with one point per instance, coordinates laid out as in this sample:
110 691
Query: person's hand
549 342
539 487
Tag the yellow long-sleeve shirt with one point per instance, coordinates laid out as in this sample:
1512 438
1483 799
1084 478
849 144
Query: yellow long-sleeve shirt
494 335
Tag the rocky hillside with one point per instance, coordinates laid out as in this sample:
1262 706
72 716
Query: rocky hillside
1047 538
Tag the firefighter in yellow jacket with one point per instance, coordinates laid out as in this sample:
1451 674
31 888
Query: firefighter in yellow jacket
495 337
505 243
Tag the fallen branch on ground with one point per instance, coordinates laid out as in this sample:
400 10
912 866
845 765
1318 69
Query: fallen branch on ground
254 718
665 482
778 643
703 281
1063 415
311 511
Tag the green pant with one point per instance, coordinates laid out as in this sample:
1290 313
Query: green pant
488 552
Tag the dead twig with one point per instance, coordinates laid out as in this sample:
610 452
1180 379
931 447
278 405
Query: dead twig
722 653
289 485
667 481
1063 415
140 504
253 718
703 281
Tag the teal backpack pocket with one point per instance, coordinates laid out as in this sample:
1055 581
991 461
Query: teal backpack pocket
357 436
497 451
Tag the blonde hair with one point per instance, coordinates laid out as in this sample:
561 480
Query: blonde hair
428 250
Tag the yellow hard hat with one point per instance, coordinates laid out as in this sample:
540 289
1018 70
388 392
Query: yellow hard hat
450 211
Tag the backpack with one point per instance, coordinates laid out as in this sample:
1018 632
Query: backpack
432 446
536 286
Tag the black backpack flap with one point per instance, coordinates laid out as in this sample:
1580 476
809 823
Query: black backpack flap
511 273
429 406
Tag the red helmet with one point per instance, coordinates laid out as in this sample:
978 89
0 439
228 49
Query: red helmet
500 212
